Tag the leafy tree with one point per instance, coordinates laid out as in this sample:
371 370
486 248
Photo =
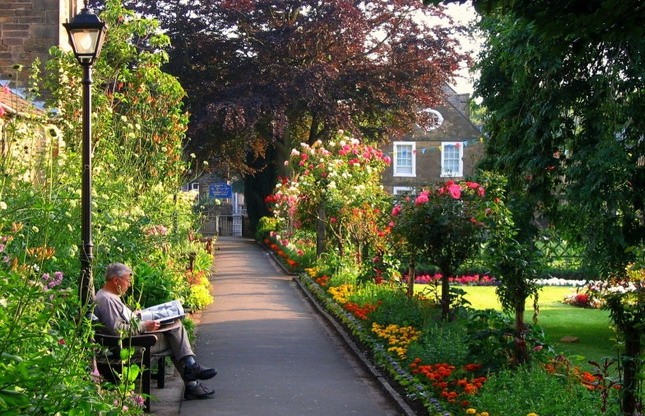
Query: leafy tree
577 139
263 76
573 153
607 20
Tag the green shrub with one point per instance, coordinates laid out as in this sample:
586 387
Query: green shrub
491 339
265 226
151 285
525 389
199 297
397 308
339 270
441 342
370 293
45 365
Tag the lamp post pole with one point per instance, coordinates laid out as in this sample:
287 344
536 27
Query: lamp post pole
86 286
86 34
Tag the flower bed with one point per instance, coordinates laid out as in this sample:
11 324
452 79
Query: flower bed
442 387
466 280
415 391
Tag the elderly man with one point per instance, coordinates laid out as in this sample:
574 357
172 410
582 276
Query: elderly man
116 318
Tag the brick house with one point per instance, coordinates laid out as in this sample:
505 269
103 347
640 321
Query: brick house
28 28
448 147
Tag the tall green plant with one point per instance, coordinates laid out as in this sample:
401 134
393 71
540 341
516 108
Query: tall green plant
44 352
514 260
139 213
138 131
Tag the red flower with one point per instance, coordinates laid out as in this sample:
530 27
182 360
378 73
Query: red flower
454 190
422 198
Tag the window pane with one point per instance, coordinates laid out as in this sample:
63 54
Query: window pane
451 160
404 159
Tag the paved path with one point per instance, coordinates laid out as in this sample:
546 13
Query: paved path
274 354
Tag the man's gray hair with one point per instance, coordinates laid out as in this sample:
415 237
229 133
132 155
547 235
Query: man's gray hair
116 270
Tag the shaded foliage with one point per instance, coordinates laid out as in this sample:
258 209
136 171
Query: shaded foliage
574 152
579 139
274 73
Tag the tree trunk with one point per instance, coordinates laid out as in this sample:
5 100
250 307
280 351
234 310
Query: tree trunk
411 273
320 231
258 185
630 370
445 292
520 337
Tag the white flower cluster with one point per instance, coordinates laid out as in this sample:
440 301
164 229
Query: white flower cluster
621 289
554 281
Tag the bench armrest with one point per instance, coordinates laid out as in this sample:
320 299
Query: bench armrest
142 340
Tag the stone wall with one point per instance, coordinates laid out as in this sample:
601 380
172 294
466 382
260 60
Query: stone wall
28 28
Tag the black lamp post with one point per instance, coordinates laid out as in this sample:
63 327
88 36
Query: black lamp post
86 34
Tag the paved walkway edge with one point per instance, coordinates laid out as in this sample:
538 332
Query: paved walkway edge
383 382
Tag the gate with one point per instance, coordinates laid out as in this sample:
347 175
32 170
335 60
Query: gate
229 225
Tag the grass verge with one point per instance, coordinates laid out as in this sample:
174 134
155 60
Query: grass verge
590 326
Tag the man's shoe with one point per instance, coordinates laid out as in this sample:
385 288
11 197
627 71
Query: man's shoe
196 371
198 391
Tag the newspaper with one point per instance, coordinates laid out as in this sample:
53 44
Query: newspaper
164 312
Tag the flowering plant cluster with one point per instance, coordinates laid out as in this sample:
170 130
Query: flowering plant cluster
600 380
398 337
618 293
588 294
472 411
467 280
323 280
454 385
338 185
285 250
157 229
444 226
341 293
361 312
51 282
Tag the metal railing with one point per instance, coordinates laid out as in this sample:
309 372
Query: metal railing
224 225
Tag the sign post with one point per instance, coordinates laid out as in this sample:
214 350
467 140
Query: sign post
220 190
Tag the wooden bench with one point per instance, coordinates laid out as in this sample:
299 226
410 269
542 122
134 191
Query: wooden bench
109 363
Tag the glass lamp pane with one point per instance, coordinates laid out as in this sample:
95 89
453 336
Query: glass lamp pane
85 41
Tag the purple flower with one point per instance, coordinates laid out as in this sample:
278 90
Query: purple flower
52 282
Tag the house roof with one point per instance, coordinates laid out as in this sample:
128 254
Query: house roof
13 102
453 120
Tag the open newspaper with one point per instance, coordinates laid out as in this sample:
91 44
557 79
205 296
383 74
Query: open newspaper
164 312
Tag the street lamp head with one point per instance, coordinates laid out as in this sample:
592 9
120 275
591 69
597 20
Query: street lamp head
86 34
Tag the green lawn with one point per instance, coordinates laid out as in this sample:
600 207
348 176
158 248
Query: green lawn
590 326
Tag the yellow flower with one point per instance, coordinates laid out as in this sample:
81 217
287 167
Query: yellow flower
484 414
471 411
532 414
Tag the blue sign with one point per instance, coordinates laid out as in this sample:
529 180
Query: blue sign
220 190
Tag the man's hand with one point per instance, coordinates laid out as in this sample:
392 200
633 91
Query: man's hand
151 325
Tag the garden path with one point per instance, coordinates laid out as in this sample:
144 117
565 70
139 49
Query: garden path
274 354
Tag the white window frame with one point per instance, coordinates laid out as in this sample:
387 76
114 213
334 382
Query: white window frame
396 168
403 190
450 174
194 186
